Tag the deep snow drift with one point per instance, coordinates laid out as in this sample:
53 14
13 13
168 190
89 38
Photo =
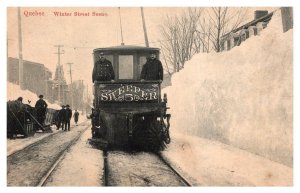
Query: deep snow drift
14 91
242 97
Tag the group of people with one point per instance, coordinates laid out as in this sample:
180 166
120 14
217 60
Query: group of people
103 69
64 115
64 118
18 113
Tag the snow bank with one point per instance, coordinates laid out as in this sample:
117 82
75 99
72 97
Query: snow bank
14 91
242 97
211 163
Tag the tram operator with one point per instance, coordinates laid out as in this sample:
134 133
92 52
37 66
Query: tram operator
152 69
103 70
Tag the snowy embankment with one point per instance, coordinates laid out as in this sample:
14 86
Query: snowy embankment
211 163
14 91
242 97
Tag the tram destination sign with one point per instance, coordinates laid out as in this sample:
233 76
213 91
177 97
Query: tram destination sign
133 92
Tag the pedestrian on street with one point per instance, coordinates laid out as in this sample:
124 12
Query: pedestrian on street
61 118
76 117
41 109
68 115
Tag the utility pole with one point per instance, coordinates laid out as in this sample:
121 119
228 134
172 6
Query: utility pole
59 73
144 27
21 81
71 84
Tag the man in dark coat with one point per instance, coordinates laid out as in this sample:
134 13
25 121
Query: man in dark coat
41 109
61 118
153 69
103 70
76 116
68 115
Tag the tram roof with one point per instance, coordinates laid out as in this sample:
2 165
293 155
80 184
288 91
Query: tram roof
127 47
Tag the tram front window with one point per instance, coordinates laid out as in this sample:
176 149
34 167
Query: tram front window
142 61
126 67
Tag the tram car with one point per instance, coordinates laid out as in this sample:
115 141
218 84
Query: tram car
129 112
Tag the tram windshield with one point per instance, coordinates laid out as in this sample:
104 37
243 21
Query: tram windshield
126 67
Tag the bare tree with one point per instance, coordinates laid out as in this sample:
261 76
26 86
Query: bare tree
223 20
197 30
179 35
203 35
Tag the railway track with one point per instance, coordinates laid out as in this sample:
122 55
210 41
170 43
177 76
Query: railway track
40 141
37 161
61 156
119 168
159 172
180 176
105 169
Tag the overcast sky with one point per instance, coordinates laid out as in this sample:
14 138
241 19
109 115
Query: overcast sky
81 34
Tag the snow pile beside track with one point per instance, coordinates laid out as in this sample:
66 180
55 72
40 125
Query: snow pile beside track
14 91
242 97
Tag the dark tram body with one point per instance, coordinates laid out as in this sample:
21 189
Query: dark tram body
128 112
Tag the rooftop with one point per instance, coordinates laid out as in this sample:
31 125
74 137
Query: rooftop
126 47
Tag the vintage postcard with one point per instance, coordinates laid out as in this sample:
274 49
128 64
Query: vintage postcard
150 96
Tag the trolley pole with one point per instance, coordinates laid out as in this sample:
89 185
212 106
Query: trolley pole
122 43
144 27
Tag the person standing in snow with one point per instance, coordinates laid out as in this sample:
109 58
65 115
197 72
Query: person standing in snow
76 116
61 118
41 109
68 114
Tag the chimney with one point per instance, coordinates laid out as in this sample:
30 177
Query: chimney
260 13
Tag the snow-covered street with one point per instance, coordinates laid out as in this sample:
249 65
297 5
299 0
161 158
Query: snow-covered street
81 166
211 163
203 162
139 169
35 160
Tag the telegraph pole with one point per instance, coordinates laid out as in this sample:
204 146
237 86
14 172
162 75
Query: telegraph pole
71 84
58 64
144 27
21 82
